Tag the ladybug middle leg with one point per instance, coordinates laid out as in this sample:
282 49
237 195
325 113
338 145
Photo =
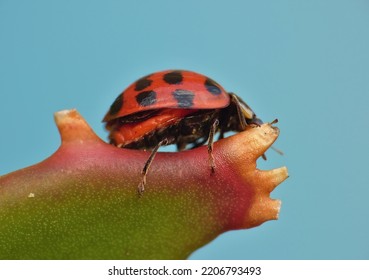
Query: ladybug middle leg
213 130
141 185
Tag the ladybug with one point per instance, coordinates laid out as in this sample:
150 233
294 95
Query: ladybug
175 107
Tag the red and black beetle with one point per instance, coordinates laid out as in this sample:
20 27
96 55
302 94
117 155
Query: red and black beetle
175 107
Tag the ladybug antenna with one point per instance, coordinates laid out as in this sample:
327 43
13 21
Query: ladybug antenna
280 152
274 122
277 150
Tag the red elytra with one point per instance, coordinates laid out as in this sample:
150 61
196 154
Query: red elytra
175 107
190 87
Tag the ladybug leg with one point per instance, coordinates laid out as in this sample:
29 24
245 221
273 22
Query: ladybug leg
181 146
141 186
213 130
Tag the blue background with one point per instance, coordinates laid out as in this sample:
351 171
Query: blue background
304 62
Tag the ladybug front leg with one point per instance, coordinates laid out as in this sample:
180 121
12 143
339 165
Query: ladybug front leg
213 130
141 185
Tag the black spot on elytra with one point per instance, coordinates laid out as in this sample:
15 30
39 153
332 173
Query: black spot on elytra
146 98
212 87
184 98
117 105
173 78
142 83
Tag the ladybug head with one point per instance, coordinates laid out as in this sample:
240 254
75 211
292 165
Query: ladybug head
254 120
246 111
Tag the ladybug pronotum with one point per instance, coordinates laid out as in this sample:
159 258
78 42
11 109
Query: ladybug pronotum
175 107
